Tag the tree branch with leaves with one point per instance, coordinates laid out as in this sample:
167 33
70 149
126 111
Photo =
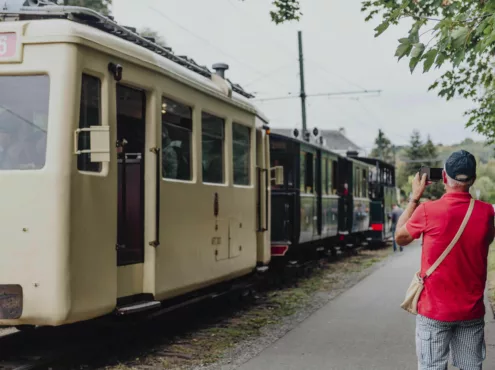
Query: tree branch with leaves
458 34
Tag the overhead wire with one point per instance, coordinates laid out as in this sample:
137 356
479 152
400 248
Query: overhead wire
163 15
282 46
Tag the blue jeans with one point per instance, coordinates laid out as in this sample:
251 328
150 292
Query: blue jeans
392 228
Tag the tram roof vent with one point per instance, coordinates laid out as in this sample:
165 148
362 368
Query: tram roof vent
352 153
220 69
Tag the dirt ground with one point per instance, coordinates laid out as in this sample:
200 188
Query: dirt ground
234 339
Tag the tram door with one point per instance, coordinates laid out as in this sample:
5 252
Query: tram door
131 105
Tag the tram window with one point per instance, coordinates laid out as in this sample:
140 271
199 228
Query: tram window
324 176
176 140
357 184
334 177
307 172
23 121
302 175
213 132
364 180
89 115
329 176
241 145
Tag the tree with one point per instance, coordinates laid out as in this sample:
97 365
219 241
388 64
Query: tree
486 187
458 33
285 11
414 152
101 6
383 148
434 190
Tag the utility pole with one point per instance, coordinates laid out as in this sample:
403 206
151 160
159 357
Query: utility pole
303 92
303 96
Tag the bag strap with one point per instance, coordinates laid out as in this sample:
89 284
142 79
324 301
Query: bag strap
454 241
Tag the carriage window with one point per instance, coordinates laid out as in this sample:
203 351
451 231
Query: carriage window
329 176
324 176
307 172
23 121
357 184
176 140
364 180
241 145
334 177
89 115
280 155
213 142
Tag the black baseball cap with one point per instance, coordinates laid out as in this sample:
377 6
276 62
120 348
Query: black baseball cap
461 166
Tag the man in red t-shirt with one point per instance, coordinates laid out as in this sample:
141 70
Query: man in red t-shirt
451 308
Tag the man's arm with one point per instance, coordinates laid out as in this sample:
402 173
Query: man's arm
402 235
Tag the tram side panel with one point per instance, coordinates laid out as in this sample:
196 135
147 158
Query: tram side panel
208 224
329 198
285 211
35 178
263 199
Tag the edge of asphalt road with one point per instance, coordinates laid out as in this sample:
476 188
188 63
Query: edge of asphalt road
489 335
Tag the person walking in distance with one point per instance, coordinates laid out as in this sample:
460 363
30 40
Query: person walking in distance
394 218
450 308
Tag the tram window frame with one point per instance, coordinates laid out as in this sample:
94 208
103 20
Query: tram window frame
364 181
329 184
324 175
334 176
24 118
357 184
307 178
220 135
184 125
247 149
84 163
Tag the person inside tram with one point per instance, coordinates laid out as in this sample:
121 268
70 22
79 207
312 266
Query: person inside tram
170 159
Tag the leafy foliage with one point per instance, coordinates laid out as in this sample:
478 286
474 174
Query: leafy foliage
418 154
285 11
460 33
414 152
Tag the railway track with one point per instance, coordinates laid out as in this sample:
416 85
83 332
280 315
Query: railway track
90 342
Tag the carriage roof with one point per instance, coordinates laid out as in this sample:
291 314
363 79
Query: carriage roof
55 24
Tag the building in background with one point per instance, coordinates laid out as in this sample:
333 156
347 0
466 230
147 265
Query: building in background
335 140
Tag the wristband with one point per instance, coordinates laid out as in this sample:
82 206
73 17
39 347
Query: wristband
414 201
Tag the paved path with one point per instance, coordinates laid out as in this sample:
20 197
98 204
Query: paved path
363 329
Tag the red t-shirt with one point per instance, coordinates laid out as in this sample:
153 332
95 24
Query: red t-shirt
455 290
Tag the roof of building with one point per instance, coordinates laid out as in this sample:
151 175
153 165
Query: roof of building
334 140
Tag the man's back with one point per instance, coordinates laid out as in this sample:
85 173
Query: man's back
455 290
395 214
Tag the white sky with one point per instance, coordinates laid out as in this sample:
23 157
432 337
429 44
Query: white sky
341 54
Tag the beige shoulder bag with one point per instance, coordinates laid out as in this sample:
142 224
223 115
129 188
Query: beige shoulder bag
410 304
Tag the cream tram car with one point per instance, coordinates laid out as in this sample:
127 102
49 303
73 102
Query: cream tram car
129 175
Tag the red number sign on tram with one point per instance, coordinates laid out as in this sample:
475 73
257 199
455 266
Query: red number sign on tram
8 45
